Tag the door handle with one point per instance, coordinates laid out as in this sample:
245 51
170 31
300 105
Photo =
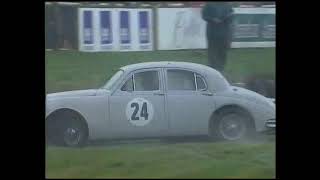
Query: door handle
158 94
207 93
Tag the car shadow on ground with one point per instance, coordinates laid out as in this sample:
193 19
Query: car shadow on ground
260 138
156 140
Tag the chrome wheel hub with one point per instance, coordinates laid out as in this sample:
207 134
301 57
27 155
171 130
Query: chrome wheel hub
71 136
232 127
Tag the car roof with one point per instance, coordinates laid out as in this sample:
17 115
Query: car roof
167 64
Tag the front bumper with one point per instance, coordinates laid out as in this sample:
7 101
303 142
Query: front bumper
271 123
270 126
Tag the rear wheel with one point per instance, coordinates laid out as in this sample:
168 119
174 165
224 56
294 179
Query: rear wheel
231 124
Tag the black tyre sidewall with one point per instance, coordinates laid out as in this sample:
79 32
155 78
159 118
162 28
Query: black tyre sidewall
214 129
82 129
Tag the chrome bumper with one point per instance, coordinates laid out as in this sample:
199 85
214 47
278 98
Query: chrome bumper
271 123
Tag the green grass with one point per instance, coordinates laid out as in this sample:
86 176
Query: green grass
71 70
67 70
164 160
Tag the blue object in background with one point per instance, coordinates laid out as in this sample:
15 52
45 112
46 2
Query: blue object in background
88 27
144 28
106 27
124 27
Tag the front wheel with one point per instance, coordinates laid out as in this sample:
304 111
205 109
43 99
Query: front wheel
67 129
231 124
73 134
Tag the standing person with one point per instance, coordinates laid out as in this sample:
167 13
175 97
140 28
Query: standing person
218 16
52 35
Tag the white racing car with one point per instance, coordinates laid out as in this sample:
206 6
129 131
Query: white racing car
158 99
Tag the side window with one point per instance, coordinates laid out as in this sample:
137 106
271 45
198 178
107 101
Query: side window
146 81
201 85
181 80
128 86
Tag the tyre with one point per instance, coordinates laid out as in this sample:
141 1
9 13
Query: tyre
231 124
68 129
73 134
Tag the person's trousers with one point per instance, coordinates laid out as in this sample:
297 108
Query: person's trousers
217 54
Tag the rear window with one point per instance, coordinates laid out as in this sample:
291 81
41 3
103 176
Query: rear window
181 80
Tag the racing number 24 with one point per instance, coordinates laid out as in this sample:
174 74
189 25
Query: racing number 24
143 112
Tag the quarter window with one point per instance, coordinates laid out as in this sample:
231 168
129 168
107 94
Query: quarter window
201 85
128 86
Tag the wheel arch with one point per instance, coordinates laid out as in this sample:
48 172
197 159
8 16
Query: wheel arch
52 115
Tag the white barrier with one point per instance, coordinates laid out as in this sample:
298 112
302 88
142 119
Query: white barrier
180 28
184 28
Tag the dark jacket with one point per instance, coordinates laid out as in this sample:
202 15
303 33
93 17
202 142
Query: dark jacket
223 11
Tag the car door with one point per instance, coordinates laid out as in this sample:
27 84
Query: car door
137 106
188 101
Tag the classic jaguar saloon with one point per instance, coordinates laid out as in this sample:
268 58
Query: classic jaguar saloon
158 99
